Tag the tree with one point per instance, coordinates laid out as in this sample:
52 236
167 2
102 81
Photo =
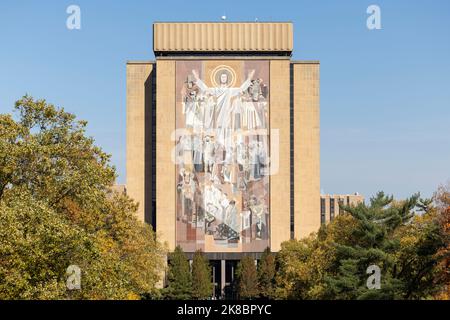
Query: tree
266 274
202 285
416 260
443 275
392 236
442 198
304 264
347 285
247 278
403 238
47 151
36 246
179 277
57 209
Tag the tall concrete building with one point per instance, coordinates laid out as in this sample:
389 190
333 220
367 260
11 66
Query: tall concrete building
223 139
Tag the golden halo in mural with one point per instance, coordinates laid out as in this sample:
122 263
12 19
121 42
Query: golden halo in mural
218 78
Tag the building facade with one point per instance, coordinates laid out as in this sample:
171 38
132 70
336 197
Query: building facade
223 139
330 204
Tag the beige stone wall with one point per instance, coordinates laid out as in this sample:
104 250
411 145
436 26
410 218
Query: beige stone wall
280 181
138 112
306 146
165 167
306 149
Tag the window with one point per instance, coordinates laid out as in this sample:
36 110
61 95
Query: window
322 211
331 209
341 204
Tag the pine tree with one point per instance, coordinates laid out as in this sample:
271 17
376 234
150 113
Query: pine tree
391 236
346 285
201 277
403 238
266 274
247 279
375 225
179 277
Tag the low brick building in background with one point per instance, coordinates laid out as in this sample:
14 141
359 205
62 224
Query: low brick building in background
330 204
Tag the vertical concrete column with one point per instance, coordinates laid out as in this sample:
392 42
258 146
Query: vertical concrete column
327 209
165 167
232 273
138 115
306 149
214 281
222 277
279 149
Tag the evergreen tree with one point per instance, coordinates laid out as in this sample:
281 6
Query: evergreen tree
247 278
266 274
202 285
389 235
347 284
179 277
405 239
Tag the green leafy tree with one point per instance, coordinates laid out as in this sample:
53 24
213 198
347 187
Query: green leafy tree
202 285
247 278
47 151
403 238
266 274
56 201
179 277
36 246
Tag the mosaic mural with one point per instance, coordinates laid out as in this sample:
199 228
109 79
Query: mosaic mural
222 155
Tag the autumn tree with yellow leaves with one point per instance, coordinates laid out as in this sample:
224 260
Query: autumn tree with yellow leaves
57 209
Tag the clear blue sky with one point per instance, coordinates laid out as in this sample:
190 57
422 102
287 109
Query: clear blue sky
385 94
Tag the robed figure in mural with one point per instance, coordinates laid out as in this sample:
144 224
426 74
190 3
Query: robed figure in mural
222 159
223 96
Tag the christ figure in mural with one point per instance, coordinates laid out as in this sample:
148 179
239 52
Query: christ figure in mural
223 95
